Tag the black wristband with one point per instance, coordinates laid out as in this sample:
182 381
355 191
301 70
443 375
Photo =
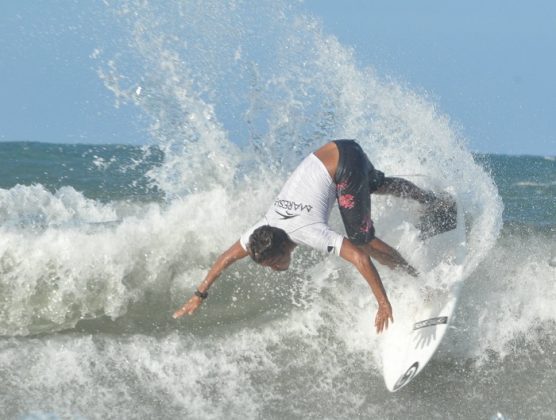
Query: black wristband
202 295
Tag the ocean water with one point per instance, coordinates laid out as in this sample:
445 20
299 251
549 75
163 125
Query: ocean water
100 244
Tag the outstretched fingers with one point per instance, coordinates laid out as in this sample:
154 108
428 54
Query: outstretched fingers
189 308
383 318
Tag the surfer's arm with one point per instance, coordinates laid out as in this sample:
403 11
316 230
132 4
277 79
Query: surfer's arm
388 256
365 266
440 210
230 256
402 188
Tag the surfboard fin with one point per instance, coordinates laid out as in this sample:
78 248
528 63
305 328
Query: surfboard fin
438 217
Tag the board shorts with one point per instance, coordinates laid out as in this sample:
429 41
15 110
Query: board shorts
356 178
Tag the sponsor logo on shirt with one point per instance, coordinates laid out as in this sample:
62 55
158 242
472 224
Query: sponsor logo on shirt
286 216
292 205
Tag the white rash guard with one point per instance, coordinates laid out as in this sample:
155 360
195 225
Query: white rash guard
303 207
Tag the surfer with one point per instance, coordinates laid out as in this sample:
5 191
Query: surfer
338 171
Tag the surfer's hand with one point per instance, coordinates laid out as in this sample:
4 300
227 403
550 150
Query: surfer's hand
190 306
382 316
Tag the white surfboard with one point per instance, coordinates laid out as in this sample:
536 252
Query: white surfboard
410 342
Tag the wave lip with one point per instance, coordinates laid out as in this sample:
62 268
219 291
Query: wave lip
35 208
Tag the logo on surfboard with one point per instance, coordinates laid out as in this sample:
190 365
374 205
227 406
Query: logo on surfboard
406 377
430 322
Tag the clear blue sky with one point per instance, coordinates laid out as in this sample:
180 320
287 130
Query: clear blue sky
489 65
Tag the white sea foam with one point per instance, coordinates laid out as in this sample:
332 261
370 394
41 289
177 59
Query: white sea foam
262 339
309 91
535 184
34 207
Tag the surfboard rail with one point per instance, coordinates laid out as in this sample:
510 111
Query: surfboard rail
410 342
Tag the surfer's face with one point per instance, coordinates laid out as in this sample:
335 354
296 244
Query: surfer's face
279 262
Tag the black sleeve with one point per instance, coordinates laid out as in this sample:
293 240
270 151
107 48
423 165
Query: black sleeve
376 180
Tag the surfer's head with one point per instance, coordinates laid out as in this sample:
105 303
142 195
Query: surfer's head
271 247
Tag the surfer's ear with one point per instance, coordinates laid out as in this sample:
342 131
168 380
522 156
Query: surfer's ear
253 256
256 257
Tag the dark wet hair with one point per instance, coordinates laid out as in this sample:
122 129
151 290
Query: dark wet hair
267 242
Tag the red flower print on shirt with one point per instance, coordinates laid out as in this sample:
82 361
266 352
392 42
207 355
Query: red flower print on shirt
342 185
347 201
367 225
